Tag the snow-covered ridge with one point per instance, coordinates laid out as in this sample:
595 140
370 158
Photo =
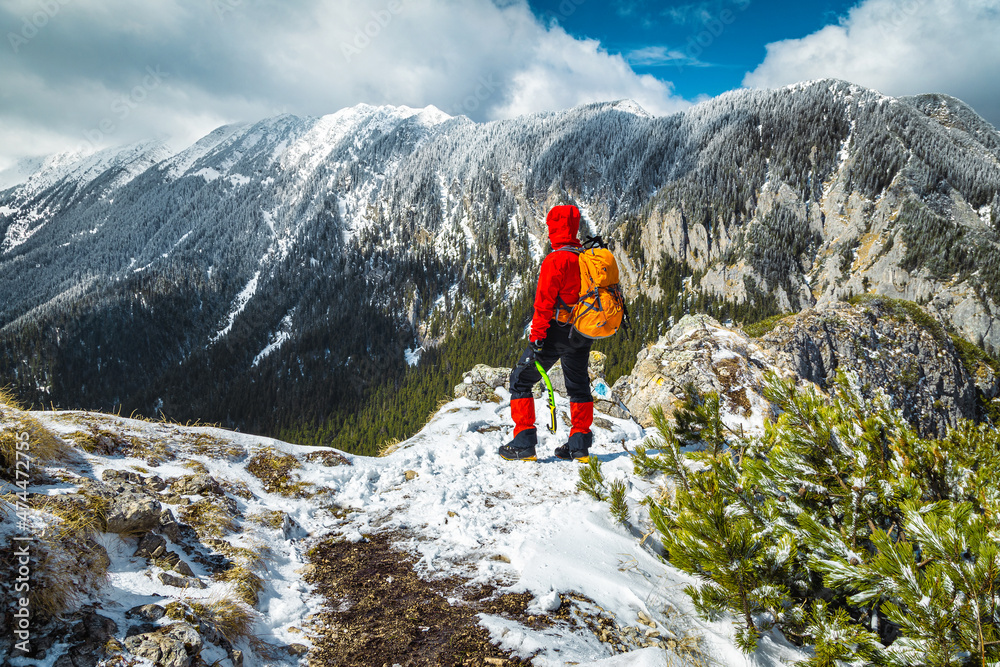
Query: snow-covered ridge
444 497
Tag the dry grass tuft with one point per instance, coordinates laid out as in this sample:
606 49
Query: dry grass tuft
270 518
106 442
216 448
232 618
196 466
84 517
67 564
209 518
274 470
389 446
23 433
245 583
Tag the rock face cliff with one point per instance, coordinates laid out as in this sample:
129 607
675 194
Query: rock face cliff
890 345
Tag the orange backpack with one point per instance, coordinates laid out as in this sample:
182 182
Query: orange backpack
600 310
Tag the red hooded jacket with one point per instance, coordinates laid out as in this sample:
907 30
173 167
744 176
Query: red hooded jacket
559 279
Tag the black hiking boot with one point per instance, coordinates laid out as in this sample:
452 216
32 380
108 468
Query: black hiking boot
521 448
577 449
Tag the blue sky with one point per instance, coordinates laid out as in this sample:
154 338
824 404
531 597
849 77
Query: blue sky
80 75
703 48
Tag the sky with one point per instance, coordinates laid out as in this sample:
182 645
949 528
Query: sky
84 74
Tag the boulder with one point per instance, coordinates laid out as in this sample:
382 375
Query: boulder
168 579
199 484
151 546
698 351
146 612
183 568
133 513
480 383
173 646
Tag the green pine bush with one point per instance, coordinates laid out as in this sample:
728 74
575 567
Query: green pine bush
839 526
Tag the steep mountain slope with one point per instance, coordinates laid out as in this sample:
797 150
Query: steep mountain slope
274 275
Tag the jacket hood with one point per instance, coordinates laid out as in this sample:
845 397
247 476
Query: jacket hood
564 224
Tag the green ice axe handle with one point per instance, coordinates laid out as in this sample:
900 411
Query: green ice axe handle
552 397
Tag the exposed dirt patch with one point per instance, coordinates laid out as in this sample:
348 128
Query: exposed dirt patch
733 376
379 612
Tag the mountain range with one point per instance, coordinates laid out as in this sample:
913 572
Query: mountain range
283 276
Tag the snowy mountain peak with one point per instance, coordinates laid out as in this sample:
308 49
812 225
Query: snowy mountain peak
631 106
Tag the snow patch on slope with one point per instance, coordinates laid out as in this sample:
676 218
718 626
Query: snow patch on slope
239 303
278 338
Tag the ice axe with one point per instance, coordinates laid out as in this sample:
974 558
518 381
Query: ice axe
552 397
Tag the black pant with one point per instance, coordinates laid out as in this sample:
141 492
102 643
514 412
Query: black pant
575 354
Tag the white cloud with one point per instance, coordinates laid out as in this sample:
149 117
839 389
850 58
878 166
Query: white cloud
228 60
900 47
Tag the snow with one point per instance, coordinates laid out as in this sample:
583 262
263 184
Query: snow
514 526
278 338
239 303
522 527
208 173
412 356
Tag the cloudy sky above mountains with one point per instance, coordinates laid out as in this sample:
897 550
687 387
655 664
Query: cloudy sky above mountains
83 74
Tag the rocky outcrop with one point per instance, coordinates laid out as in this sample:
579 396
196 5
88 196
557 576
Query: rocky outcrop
173 646
481 382
701 352
891 345
133 513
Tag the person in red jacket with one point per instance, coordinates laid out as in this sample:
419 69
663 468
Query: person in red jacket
550 340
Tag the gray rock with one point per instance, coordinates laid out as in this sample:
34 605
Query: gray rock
177 532
479 383
151 546
197 485
122 478
146 612
133 513
173 646
183 568
87 641
905 353
700 351
168 579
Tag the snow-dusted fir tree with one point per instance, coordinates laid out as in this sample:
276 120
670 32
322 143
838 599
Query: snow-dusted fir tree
840 527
